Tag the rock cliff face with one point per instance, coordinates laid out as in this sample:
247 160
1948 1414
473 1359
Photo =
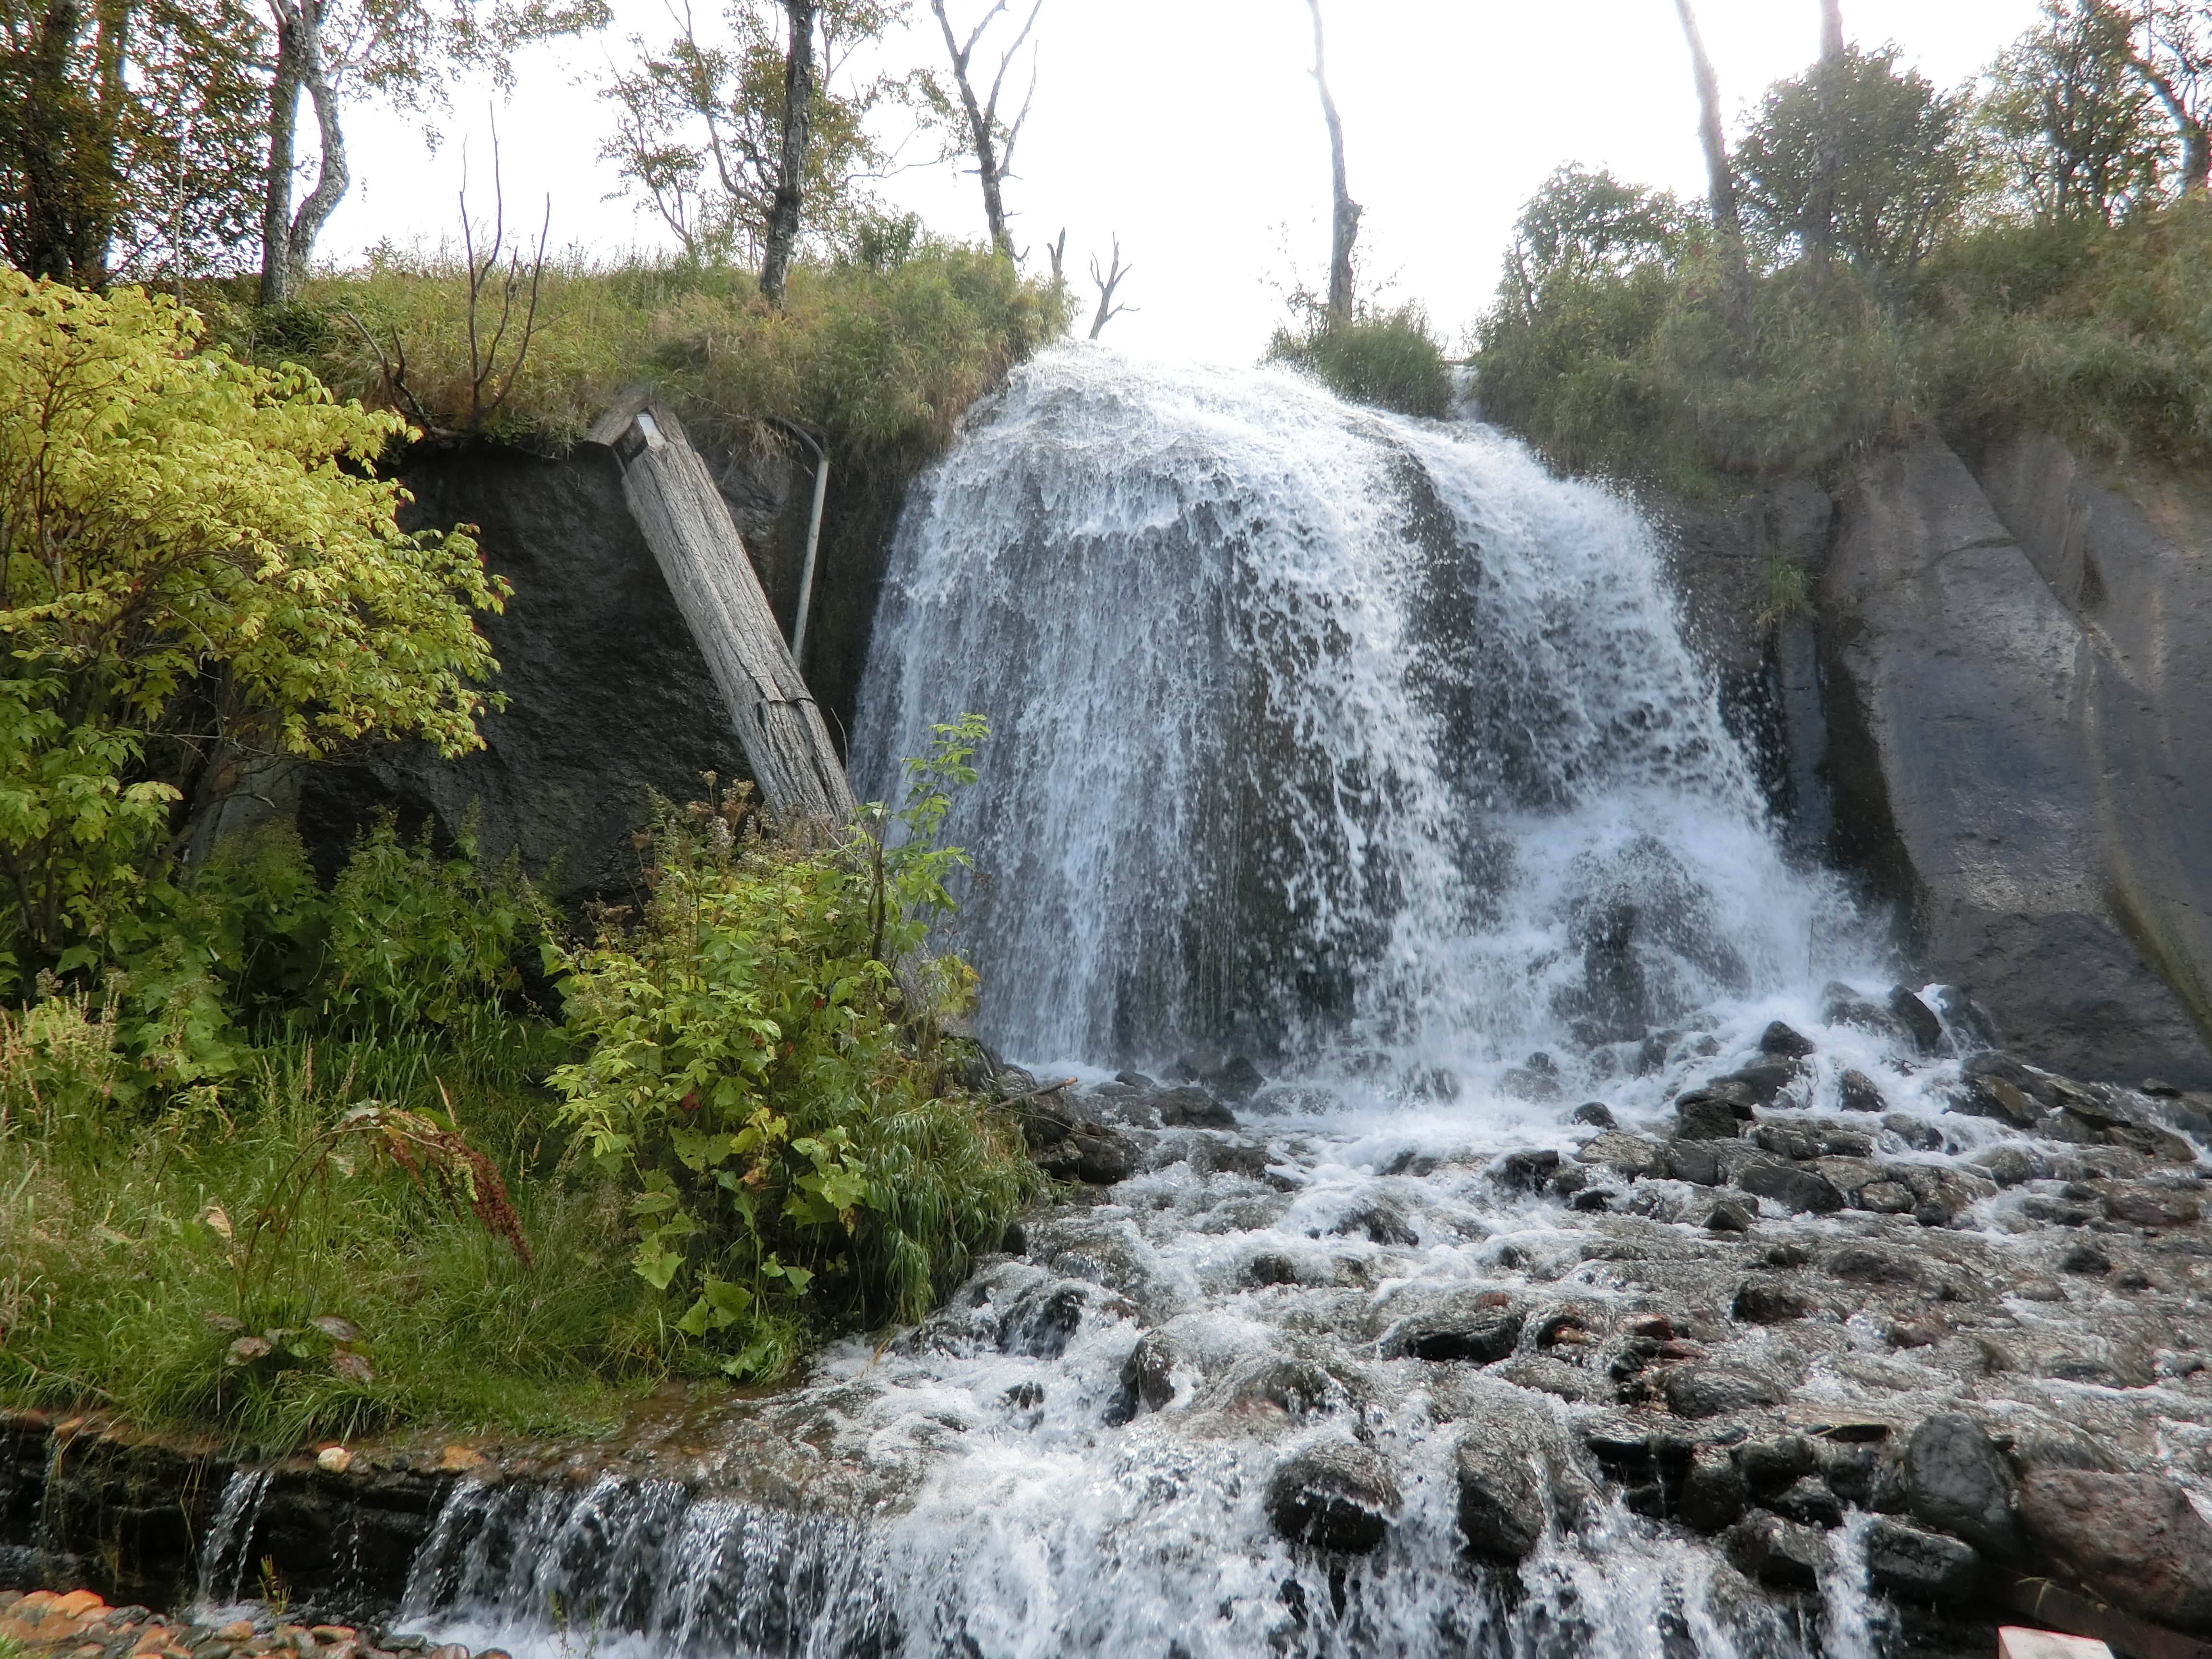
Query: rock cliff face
2000 713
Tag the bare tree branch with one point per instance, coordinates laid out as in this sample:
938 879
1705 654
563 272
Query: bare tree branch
1344 220
1108 311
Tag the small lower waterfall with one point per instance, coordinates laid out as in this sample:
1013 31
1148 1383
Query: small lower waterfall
1365 747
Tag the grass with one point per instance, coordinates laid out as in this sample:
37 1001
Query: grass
1389 358
884 358
2101 336
128 1260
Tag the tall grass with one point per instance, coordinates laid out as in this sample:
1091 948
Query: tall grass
1389 358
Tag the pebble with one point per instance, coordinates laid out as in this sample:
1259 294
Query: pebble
79 1625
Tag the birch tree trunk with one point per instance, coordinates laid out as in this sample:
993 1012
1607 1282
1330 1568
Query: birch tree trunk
1343 219
791 165
687 525
287 239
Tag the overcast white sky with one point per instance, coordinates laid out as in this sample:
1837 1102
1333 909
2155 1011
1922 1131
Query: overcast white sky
1191 127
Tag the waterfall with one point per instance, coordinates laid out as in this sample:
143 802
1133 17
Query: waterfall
1313 729
1369 748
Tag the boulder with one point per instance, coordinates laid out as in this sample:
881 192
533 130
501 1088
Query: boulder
1956 1482
1800 1191
1858 1092
1502 1507
1626 1154
1704 1115
1716 1390
1068 1146
2135 1540
1525 1172
1918 1019
1466 1327
1781 1041
1336 1496
1764 1301
1714 1497
1147 1380
2151 1206
1978 745
1920 1566
1192 1109
1808 1500
1776 1552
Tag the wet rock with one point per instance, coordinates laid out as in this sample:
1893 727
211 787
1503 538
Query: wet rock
1192 1109
1380 1222
1537 1080
1041 1322
1717 1390
1866 1264
1336 1496
1764 1301
2086 1258
1972 1026
1920 1566
1762 1082
1731 1216
2010 1166
1916 1133
1776 1552
1595 1113
1799 1191
1842 1005
1525 1172
1773 1465
1918 1018
1545 1374
1695 1162
1780 1040
1860 1093
1068 1146
1502 1511
2134 1539
2151 1206
1630 1155
1146 1380
1808 1501
1714 1495
1470 1329
1956 1482
1705 1115
1796 1141
1134 1080
1271 1268
1885 1198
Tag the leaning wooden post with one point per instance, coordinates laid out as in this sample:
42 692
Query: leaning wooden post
702 557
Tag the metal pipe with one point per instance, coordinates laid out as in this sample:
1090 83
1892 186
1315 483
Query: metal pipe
813 536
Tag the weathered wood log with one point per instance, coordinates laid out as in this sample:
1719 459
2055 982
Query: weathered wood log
702 558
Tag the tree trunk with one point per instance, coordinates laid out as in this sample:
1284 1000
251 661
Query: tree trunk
979 135
1728 224
791 175
2195 152
1344 220
1819 228
277 201
63 145
284 256
687 525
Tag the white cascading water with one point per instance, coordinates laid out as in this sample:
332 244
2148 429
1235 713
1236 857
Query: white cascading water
1365 747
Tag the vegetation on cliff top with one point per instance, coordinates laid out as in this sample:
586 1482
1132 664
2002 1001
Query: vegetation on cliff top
1878 254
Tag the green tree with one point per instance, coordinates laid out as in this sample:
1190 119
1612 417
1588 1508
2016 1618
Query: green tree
199 563
2175 57
1893 153
707 134
2076 126
1586 224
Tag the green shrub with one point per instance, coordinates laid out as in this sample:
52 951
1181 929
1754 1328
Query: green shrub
759 1070
1388 358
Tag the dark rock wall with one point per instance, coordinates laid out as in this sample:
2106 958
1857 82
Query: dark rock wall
609 699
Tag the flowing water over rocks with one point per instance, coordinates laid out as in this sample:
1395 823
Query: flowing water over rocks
1542 1226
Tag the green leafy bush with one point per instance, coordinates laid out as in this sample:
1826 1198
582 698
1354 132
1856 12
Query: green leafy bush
1389 358
758 1060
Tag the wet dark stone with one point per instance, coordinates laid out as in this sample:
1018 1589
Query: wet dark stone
1068 1146
2009 1166
1525 1172
1775 1464
1501 1497
1716 1390
1972 1026
1842 1005
1040 1324
2151 1206
1763 1080
1731 1216
1714 1497
1135 1081
1145 1382
1696 1162
2086 1258
1776 1552
1595 1113
1780 1040
1864 1264
1956 1482
1800 1191
1271 1269
1192 1109
1707 1116
1768 1302
1859 1093
1337 1496
1920 1566
1382 1223
1915 1132
1809 1501
1998 1085
1918 1020
1467 1331
1590 1202
1799 1142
